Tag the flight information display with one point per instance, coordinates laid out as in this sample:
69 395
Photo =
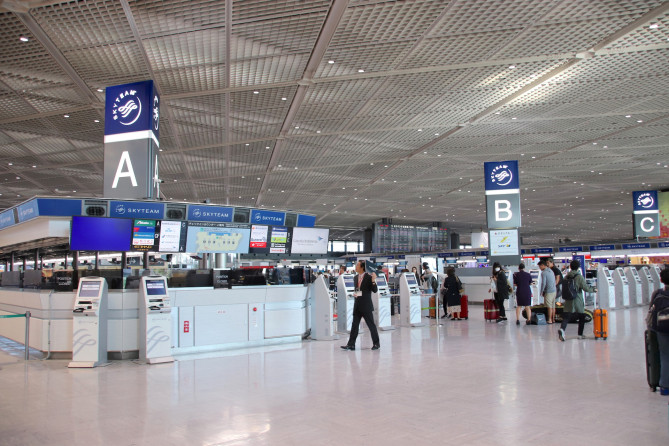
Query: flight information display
158 235
389 238
270 239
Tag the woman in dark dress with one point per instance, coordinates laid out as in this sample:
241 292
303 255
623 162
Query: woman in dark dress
452 294
502 286
521 282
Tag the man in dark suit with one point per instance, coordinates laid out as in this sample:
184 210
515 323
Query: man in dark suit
365 285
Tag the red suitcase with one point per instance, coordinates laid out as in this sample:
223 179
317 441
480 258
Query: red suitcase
490 311
464 307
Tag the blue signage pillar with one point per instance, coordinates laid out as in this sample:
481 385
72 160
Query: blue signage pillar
646 214
502 193
132 121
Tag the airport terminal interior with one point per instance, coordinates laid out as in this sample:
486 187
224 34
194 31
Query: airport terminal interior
181 181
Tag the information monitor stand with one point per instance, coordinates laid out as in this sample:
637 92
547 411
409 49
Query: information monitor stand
410 297
89 324
155 321
322 317
606 291
647 284
381 300
636 290
345 302
622 288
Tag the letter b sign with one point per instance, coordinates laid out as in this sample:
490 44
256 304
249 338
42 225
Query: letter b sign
503 211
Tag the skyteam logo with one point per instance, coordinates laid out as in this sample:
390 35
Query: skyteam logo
120 209
156 112
257 218
501 175
197 213
645 201
127 107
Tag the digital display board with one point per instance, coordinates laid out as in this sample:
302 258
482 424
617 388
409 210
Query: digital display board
155 287
411 280
217 237
348 282
172 236
145 234
380 281
85 234
280 240
309 241
259 238
89 289
389 238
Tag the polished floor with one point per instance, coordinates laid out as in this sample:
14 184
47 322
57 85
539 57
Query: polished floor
462 383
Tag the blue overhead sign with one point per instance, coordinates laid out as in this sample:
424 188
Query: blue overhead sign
27 211
306 221
7 219
59 207
444 255
132 108
645 200
210 213
259 217
636 245
541 250
571 248
602 247
137 209
659 245
467 253
501 175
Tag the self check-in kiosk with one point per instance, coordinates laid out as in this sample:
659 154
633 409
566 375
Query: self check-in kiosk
655 274
535 286
155 321
636 290
381 300
345 302
622 288
647 284
89 324
410 296
606 291
322 323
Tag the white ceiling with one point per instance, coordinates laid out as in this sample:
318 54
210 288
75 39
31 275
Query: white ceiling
255 114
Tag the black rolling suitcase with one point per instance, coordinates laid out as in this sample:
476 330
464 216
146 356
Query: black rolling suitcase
652 360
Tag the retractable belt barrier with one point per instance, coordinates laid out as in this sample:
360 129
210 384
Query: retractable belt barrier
27 336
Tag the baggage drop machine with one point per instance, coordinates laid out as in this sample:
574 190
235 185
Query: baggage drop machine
322 311
535 286
636 290
345 302
647 284
89 324
622 288
606 291
155 321
381 300
655 274
410 297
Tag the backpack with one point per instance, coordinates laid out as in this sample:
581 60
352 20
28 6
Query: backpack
434 283
569 291
659 313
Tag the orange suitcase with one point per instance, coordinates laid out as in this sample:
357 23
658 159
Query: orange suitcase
433 307
601 324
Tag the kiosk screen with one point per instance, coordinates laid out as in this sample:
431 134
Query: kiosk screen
89 289
155 287
380 280
411 280
348 282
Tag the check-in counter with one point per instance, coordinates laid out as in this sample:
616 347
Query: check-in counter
476 282
203 318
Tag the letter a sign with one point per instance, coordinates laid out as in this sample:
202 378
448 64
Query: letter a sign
502 190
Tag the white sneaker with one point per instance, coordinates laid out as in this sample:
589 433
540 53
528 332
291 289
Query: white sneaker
582 337
561 334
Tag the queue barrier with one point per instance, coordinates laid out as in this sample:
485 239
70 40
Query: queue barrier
27 336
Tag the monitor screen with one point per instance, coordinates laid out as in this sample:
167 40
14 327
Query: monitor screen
607 273
216 237
89 288
411 279
380 280
85 234
145 235
348 282
172 236
309 241
155 287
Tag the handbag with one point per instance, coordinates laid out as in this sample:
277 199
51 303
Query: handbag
461 287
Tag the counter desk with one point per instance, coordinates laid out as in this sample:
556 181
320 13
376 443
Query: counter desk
204 319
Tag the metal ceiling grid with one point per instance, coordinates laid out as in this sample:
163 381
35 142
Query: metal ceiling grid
42 146
112 64
254 10
575 10
657 35
457 49
78 25
610 67
319 111
165 17
267 70
9 151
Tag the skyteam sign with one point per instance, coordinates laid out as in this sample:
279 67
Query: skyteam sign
134 209
7 219
132 108
646 214
210 213
27 211
502 190
501 176
259 217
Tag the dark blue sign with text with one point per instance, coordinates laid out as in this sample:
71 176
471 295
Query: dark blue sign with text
136 209
267 217
210 213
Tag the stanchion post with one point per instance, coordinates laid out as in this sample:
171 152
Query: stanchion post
27 338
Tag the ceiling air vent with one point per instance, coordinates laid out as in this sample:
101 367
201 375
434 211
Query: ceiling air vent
175 211
241 215
96 208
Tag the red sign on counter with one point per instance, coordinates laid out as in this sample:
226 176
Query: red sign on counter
186 326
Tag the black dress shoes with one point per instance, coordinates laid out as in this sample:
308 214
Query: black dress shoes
348 347
376 347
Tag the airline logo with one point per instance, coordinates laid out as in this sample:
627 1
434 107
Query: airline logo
645 201
127 107
502 175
